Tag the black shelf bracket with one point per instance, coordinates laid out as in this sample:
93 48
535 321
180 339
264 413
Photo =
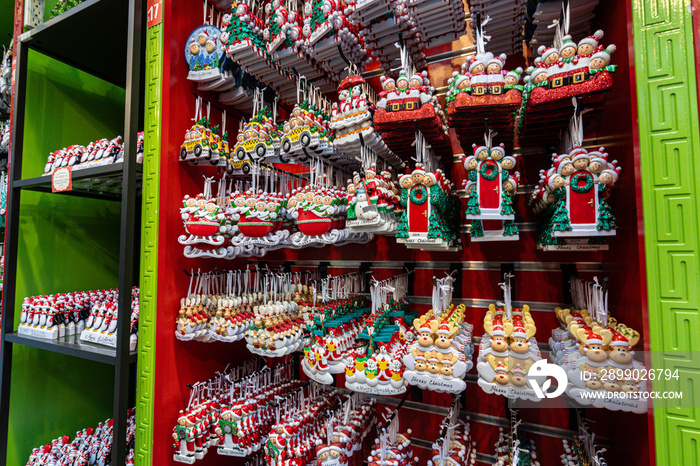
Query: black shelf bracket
323 269
366 276
567 271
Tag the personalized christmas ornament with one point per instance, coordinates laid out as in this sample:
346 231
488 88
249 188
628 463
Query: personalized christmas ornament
255 139
601 358
203 54
373 201
564 71
392 447
583 448
91 446
407 105
101 324
512 447
573 195
202 143
441 356
483 90
66 314
306 135
96 154
430 218
454 447
376 366
336 325
491 184
204 222
508 349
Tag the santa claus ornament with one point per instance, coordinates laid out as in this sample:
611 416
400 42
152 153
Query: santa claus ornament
441 356
508 349
491 184
572 196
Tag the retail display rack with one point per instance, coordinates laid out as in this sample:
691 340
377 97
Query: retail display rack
115 56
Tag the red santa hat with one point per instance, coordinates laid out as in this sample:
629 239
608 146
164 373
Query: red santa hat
620 340
605 53
444 328
519 332
518 369
473 62
545 51
497 331
478 148
500 60
593 338
593 39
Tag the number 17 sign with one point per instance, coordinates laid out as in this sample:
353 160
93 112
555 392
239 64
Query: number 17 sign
155 12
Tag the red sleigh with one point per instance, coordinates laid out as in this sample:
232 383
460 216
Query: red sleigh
255 227
311 224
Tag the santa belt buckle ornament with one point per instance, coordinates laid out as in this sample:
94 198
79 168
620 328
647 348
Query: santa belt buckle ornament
579 78
496 90
557 83
479 90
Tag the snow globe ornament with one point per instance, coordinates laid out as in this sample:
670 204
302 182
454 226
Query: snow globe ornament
491 184
203 54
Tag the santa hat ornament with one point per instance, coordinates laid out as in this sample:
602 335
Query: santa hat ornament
386 81
605 54
592 40
620 340
519 332
479 148
499 60
497 331
444 329
473 62
546 52
515 73
593 339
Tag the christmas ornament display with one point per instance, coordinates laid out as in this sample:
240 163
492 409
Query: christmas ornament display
101 324
65 314
306 135
508 349
89 447
512 447
95 154
376 364
6 81
583 448
205 57
256 138
335 326
596 352
227 411
481 91
441 356
430 218
206 224
408 105
392 446
492 181
563 71
455 446
572 197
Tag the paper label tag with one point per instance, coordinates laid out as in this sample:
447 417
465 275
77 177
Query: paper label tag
62 180
155 12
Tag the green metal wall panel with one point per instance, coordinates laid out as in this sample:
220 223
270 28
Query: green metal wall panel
669 140
149 247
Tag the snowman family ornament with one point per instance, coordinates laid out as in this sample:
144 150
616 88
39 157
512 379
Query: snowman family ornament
492 181
373 202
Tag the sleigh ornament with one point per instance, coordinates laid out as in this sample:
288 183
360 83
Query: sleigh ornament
563 71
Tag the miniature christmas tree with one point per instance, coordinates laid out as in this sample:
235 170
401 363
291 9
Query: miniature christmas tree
606 220
317 17
476 230
436 227
402 229
506 203
510 228
473 204
560 219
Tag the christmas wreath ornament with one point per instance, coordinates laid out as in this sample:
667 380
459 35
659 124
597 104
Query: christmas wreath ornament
572 196
596 351
508 349
441 356
562 72
483 90
492 183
